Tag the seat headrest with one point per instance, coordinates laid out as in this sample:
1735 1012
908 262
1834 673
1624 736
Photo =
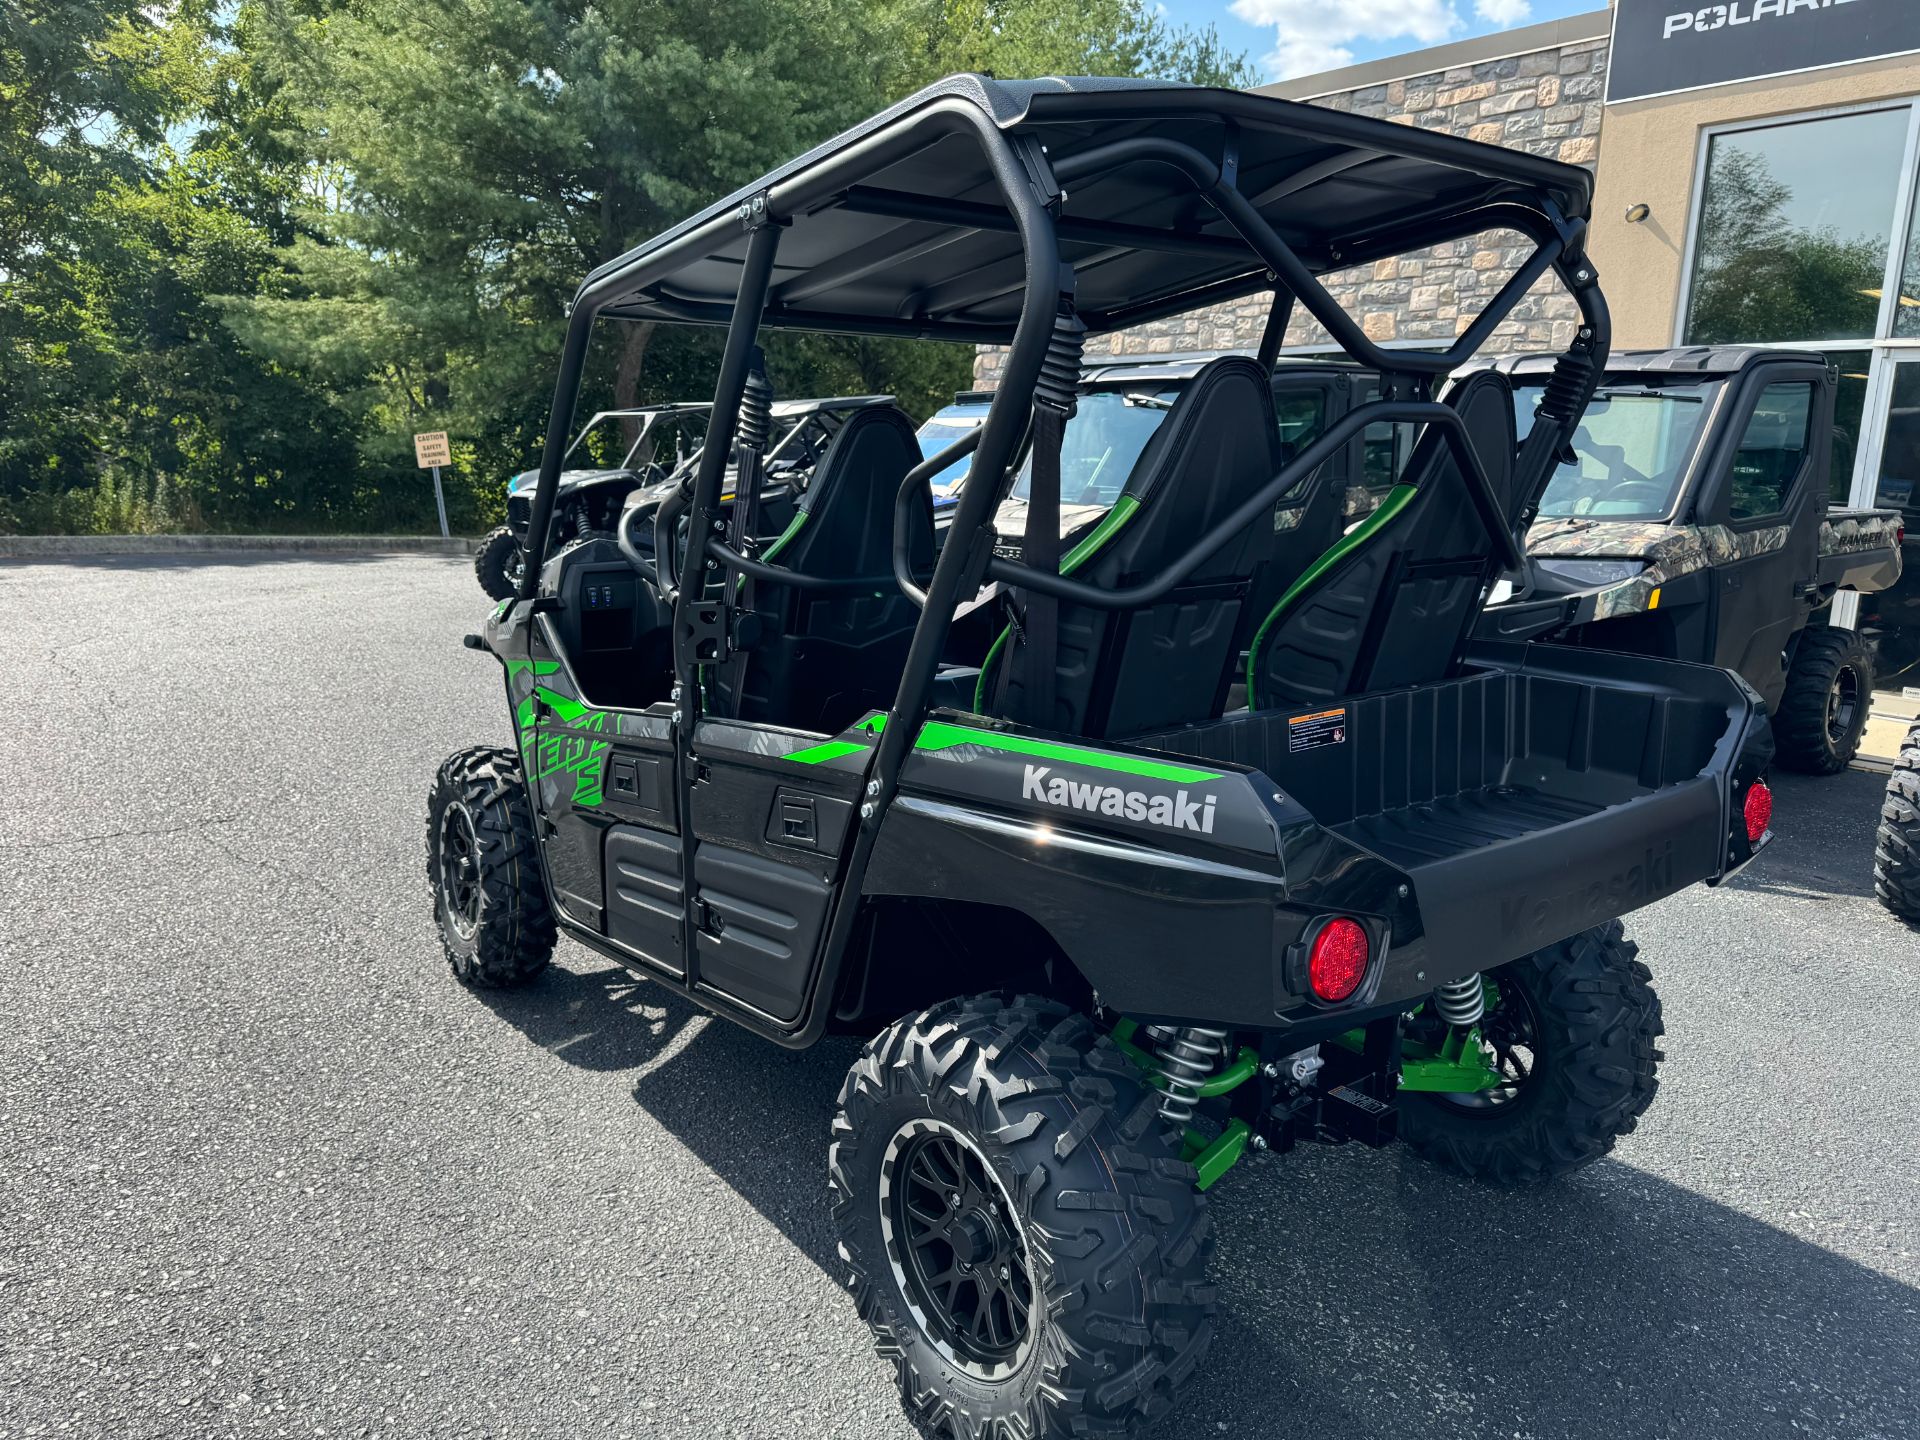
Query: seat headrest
875 441
1230 397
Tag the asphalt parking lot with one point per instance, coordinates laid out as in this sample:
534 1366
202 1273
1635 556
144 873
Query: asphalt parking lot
268 1170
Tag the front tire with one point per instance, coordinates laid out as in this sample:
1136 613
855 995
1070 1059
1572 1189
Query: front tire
1896 850
1576 1027
1823 712
483 860
497 563
1060 1179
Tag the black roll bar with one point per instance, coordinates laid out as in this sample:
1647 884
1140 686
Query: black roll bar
1420 412
1293 273
903 575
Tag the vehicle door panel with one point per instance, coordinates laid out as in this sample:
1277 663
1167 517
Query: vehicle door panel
768 833
1763 479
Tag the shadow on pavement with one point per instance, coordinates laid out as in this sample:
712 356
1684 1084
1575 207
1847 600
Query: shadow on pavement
1378 1295
1823 827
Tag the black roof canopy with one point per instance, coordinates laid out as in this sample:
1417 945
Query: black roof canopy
901 226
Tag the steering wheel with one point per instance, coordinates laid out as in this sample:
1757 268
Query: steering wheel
1640 493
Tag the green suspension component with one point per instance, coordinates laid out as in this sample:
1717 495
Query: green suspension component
1212 1156
1462 1065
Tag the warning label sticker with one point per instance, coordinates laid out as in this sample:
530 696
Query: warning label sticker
1323 727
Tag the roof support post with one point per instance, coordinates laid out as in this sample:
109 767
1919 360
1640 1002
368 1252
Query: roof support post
566 391
703 516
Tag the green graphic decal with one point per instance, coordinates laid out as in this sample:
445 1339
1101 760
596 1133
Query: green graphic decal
825 751
938 735
566 751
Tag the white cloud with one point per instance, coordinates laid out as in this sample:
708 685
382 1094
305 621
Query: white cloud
1313 35
1503 12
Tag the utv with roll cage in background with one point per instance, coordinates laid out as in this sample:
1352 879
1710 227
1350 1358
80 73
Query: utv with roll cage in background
588 502
1133 933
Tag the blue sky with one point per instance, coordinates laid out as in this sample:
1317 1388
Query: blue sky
1302 37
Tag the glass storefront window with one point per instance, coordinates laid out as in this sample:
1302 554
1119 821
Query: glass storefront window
1794 230
1849 414
1906 314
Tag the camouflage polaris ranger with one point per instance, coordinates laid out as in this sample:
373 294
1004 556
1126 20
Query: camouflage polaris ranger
1691 521
1237 840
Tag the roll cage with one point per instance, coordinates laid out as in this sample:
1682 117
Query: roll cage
1028 214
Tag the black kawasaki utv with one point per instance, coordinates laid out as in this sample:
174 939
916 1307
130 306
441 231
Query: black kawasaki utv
589 501
1110 934
1690 520
588 497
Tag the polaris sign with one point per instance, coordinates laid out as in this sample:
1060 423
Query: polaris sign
1664 46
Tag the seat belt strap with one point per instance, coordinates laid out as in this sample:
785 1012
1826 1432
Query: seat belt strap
1041 551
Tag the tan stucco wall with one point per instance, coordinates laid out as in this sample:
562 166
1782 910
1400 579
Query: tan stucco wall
1648 154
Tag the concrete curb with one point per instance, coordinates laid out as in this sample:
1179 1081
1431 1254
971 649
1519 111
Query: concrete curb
53 546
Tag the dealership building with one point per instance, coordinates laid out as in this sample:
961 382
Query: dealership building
1755 183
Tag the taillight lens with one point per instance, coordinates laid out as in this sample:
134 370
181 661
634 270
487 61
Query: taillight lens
1758 811
1337 963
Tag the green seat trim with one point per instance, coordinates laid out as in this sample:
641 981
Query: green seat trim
1397 499
785 537
780 543
1124 509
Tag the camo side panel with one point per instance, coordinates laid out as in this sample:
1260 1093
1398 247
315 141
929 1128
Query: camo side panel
1670 551
1877 531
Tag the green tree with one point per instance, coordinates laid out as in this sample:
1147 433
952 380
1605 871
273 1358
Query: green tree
1761 277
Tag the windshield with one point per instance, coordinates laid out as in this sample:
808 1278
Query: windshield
956 422
1632 450
1103 439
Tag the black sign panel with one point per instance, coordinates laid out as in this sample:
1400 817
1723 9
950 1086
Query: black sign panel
1661 46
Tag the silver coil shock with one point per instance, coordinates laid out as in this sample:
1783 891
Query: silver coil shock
1189 1056
1461 1003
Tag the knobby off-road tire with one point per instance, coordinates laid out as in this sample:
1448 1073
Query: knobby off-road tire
1896 851
484 865
1114 1237
1586 1010
1823 712
496 563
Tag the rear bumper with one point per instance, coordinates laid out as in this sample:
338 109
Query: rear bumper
1548 791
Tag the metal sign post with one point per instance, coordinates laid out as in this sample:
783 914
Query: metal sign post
430 452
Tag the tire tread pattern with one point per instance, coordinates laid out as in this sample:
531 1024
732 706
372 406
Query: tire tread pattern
1118 1236
1601 1021
516 934
1896 850
1800 724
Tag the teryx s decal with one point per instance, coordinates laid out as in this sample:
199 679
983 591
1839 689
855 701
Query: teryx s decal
1175 811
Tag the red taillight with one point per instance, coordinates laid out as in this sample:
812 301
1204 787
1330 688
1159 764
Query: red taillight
1337 963
1758 811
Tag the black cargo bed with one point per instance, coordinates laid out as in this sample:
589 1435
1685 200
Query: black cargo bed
1544 790
1413 835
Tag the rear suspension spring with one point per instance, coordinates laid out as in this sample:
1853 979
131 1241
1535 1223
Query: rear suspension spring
1461 1003
1189 1056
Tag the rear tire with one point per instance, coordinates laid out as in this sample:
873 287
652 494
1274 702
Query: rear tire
1823 712
1896 851
483 861
496 564
1591 1020
1070 1181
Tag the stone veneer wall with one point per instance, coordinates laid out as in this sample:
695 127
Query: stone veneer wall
1548 102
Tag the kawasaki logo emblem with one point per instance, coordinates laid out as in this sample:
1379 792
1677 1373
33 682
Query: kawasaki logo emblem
1525 918
1174 811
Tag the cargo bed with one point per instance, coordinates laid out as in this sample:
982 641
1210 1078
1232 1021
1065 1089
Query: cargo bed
1546 790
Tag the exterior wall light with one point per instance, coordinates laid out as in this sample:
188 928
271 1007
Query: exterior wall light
1638 213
